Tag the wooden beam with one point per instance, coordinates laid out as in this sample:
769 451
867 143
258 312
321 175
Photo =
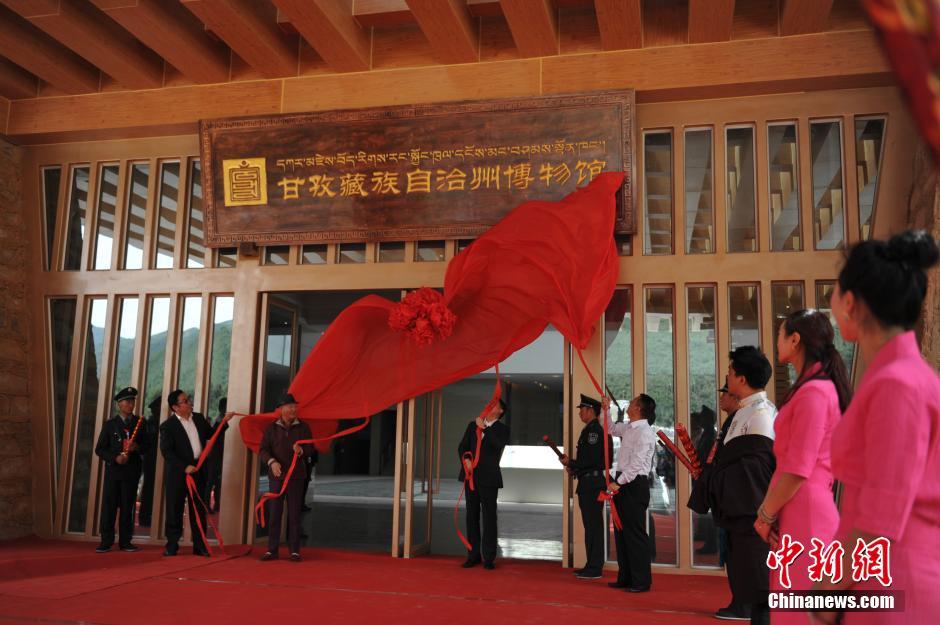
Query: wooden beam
16 82
33 50
371 13
620 23
250 29
329 27
800 17
97 39
4 116
717 67
825 61
710 20
534 26
449 27
175 34
157 112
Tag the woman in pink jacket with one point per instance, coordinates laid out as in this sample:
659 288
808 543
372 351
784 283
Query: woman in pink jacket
799 502
886 449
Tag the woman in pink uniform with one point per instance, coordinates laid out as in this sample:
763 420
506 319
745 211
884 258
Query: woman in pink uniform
886 449
799 501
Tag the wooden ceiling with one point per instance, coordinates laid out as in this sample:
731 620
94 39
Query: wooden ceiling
54 48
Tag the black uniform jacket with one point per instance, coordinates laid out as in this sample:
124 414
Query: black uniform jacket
495 437
734 485
111 444
175 446
589 466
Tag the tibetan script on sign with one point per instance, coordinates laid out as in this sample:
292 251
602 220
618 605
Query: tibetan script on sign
408 172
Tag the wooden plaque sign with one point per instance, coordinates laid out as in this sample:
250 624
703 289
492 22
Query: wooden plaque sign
408 172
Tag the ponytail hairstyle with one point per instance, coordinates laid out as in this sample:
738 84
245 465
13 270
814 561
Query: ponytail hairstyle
816 337
891 276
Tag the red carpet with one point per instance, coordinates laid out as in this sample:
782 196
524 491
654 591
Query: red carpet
328 587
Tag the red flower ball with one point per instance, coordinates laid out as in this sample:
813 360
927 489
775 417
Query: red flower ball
423 316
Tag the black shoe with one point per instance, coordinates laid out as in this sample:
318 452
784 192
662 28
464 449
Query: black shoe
618 584
489 566
638 589
587 574
295 557
734 613
102 548
268 555
577 571
170 552
130 548
201 552
470 563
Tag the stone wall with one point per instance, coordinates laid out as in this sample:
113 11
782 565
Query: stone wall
924 213
16 509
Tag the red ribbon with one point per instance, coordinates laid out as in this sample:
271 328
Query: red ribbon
194 497
259 509
475 459
607 495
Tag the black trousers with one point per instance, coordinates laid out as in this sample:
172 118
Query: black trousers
592 517
176 495
120 494
295 501
634 552
213 469
748 574
483 499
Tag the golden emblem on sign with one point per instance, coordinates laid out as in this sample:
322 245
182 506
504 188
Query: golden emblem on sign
245 181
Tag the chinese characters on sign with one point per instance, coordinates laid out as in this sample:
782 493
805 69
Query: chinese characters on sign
871 560
408 172
512 177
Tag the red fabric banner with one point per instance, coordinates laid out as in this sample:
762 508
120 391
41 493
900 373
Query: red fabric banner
910 35
545 262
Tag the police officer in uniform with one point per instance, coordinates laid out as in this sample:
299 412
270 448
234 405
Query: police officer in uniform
589 469
120 446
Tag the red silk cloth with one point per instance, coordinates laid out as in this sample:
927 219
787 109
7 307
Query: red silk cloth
545 262
910 35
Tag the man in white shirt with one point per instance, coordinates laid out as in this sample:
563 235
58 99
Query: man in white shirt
756 413
634 461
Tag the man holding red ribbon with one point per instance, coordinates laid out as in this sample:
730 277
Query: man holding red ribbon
120 445
590 469
279 445
480 450
632 487
182 438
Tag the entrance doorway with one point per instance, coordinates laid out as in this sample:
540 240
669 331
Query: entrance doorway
392 485
348 503
530 502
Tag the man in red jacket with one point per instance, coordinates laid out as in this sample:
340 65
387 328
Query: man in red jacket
278 446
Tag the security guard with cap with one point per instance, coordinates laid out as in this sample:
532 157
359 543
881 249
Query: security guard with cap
122 441
589 469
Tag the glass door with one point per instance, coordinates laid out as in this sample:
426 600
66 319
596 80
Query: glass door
417 474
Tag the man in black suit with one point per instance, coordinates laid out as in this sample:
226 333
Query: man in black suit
120 446
487 480
183 436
